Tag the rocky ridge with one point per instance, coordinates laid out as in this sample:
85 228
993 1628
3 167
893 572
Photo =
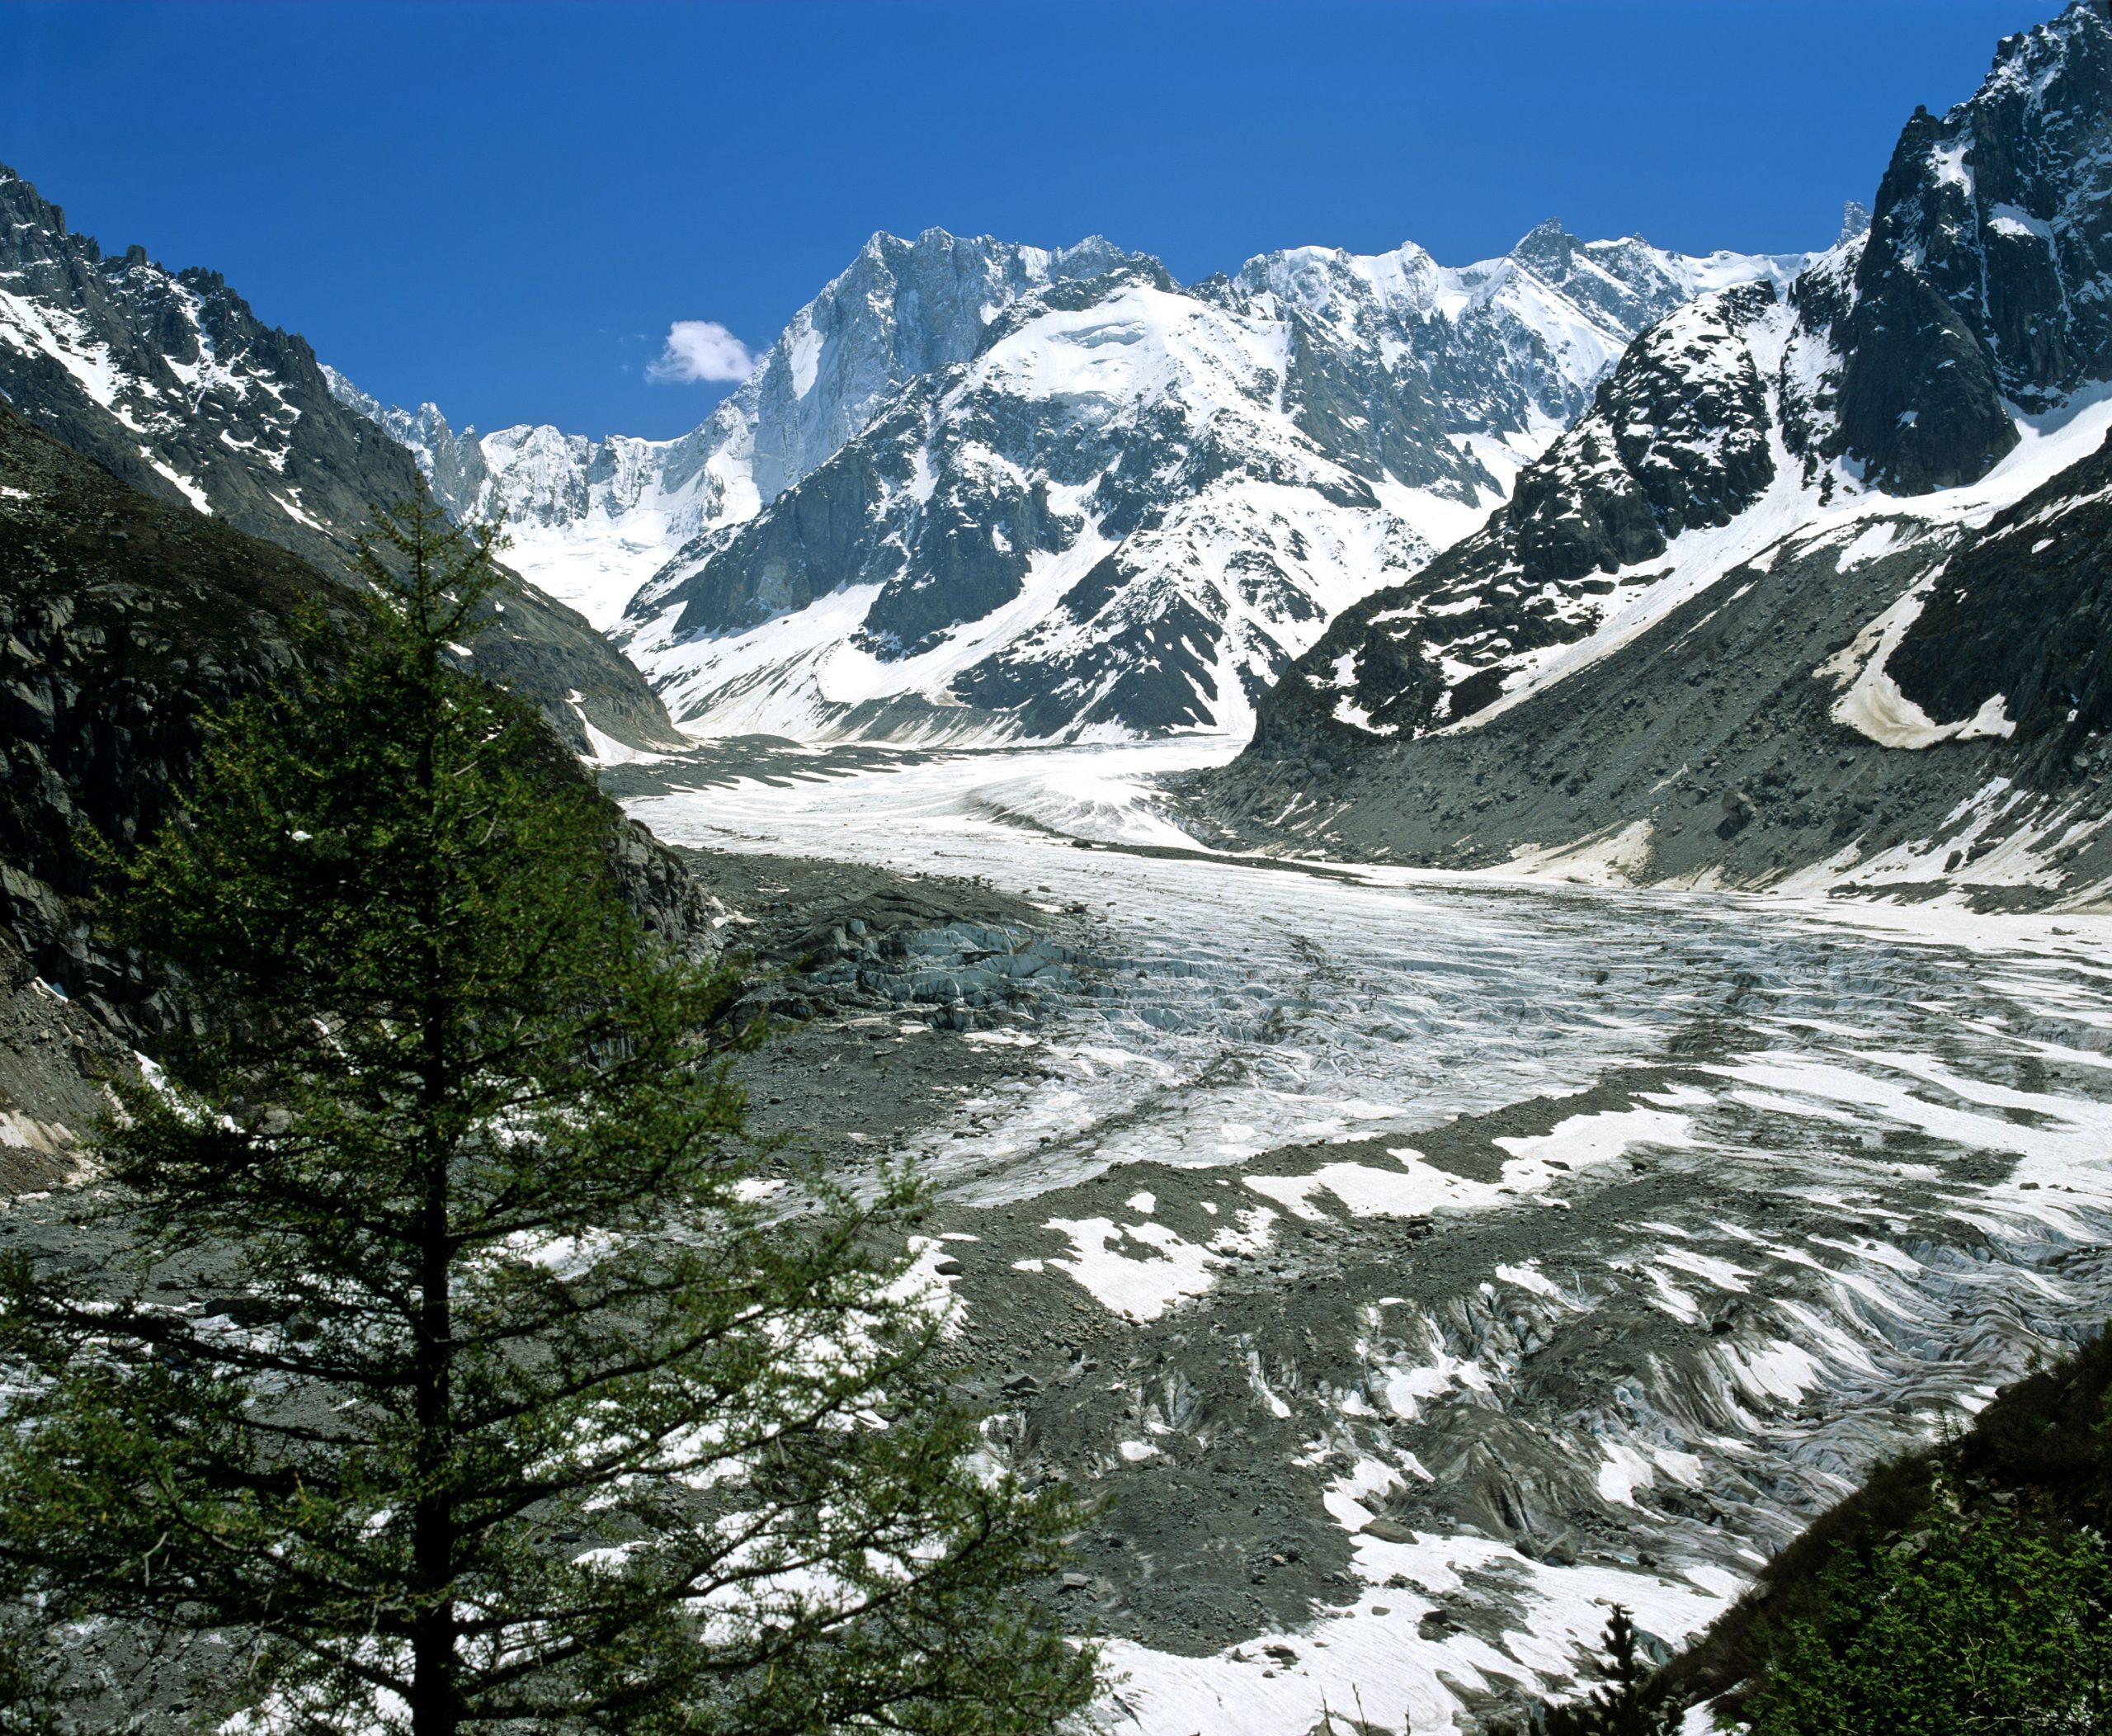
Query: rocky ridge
1680 438
1983 283
1136 502
170 380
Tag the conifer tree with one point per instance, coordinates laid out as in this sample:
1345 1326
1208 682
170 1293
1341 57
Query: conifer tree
1632 1702
539 1397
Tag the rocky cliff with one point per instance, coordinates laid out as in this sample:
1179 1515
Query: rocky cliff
1984 279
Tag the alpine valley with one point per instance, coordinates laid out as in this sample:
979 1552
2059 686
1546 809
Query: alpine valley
1485 891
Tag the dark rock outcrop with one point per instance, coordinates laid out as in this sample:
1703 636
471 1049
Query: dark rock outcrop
2022 615
1988 268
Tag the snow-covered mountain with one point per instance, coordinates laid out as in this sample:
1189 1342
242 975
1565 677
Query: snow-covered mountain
886 529
170 380
1068 496
1698 639
593 519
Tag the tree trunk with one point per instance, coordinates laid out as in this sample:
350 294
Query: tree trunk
436 1706
435 1696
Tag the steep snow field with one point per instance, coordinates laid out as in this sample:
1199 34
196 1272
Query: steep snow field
1518 1248
1790 514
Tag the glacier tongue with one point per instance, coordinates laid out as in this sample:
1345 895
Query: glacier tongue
1423 1263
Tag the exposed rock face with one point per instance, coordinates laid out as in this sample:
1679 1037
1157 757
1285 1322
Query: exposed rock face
123 621
1988 271
172 382
126 619
2019 624
1677 438
1134 502
56 1058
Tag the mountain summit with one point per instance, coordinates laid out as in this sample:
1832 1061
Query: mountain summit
1136 501
1747 617
593 519
1984 280
977 490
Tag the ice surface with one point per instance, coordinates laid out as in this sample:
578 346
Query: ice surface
1870 1149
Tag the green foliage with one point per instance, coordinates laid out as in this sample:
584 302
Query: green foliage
2040 1444
547 1399
1632 1703
1634 1700
1970 1625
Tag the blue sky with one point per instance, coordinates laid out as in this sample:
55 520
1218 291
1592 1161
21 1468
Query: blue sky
502 208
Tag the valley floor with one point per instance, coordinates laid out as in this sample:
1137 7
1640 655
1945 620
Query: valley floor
1424 1262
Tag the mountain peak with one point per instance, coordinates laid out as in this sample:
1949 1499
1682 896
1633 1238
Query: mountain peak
1547 243
1985 281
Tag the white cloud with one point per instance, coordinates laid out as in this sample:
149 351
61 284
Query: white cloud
700 349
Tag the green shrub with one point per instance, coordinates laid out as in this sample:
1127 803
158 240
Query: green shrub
1986 1625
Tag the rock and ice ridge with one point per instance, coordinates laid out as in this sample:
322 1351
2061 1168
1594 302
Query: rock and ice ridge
169 379
593 519
1763 553
1134 502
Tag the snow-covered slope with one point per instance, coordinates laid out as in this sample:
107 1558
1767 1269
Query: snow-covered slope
1716 619
1132 502
593 519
